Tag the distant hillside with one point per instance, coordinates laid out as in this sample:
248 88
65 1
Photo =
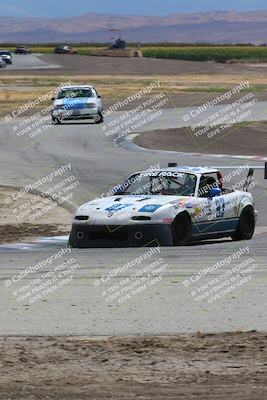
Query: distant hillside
217 27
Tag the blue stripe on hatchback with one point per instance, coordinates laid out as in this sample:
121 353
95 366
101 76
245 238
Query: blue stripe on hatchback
75 104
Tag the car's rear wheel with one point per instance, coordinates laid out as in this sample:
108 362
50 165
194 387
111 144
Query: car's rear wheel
246 225
182 230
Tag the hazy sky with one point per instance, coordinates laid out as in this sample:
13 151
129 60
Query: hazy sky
68 8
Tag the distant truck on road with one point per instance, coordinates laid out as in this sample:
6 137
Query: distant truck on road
65 50
119 44
118 49
23 50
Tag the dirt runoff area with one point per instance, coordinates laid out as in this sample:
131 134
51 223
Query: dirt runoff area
34 216
247 140
200 366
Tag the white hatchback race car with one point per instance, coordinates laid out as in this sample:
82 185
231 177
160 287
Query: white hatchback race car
77 102
172 206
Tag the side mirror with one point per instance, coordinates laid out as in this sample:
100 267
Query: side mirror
53 99
214 192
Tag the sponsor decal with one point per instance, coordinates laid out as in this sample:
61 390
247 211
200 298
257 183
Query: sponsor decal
220 207
150 208
117 207
189 205
183 203
168 220
197 211
178 200
163 174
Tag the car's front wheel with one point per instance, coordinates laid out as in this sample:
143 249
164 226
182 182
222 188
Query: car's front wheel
99 119
182 230
246 225
56 121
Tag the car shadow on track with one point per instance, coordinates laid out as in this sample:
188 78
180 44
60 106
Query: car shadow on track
74 123
212 241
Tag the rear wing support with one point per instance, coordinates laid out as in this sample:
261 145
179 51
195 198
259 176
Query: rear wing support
248 179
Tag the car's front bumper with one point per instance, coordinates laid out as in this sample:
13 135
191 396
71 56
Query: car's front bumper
86 236
65 114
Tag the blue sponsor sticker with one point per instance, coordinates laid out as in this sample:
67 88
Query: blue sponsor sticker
150 208
117 207
189 205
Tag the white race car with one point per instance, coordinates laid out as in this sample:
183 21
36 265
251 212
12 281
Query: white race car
172 206
77 102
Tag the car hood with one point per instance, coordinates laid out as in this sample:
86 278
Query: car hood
134 205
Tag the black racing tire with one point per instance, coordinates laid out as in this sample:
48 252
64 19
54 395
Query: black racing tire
56 121
246 225
182 230
99 119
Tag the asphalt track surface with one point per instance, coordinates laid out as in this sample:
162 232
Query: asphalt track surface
95 65
29 61
80 308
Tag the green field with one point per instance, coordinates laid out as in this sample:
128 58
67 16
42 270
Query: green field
207 53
